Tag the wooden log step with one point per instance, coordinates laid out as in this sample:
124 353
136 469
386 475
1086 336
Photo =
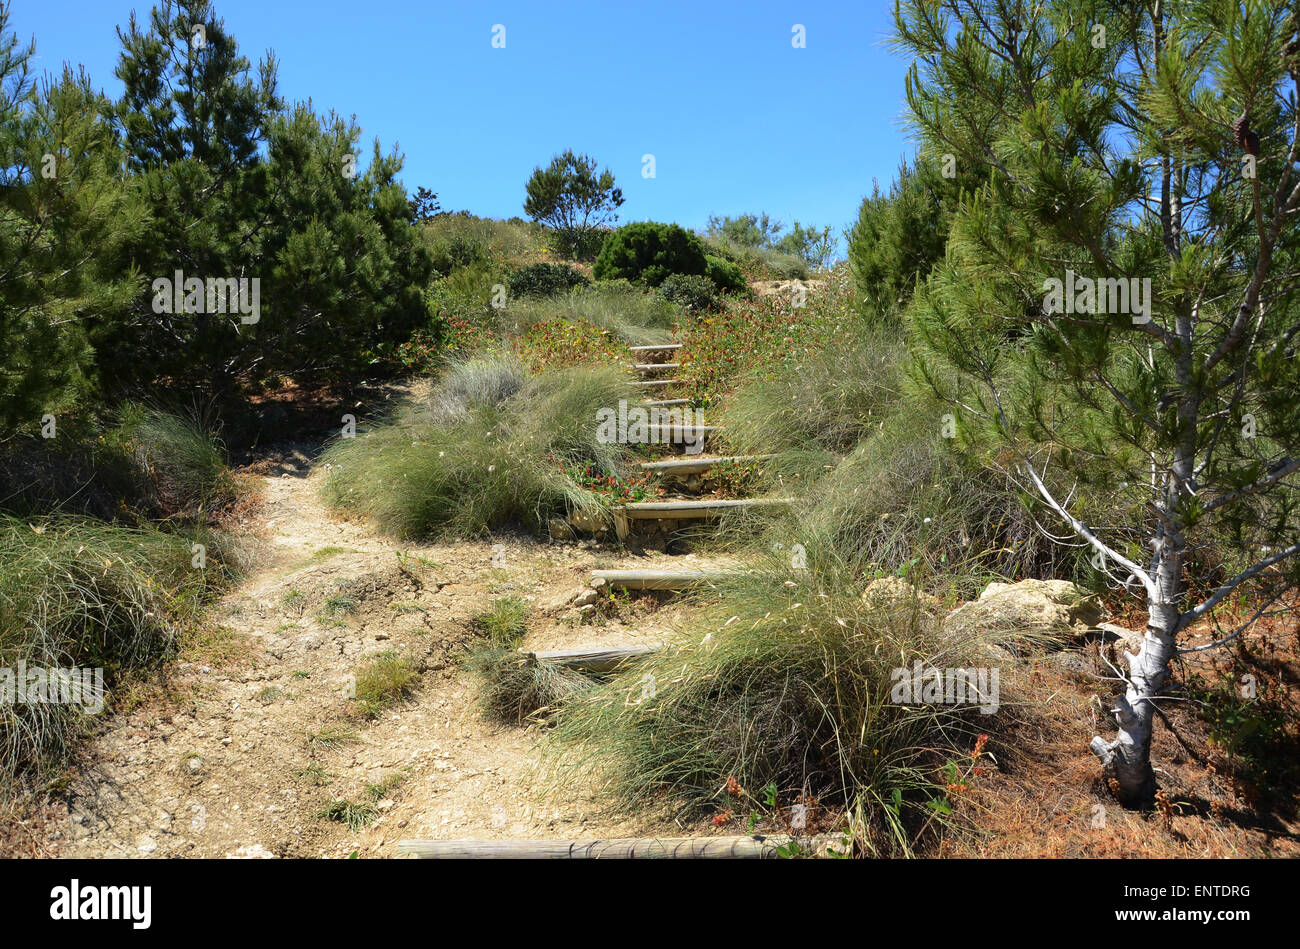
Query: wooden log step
690 466
673 431
664 403
680 510
651 383
656 579
655 366
662 347
595 661
618 848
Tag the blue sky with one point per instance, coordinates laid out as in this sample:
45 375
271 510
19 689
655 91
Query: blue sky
737 119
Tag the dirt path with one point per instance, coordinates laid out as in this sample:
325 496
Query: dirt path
218 761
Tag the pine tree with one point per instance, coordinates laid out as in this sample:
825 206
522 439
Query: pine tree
1116 142
66 219
570 196
899 236
241 188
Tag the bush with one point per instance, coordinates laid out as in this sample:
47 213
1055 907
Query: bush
545 280
181 456
461 239
695 293
898 237
826 401
728 276
500 463
457 251
624 309
648 252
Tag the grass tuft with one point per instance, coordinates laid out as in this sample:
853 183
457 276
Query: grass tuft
504 463
505 623
382 681
516 689
784 684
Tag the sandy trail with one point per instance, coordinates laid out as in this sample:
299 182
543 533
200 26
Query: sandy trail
217 761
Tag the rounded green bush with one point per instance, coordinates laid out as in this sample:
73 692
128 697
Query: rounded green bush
649 252
692 291
728 277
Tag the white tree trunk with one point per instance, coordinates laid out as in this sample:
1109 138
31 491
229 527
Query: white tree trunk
1127 759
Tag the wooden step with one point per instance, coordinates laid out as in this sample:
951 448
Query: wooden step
650 383
683 509
661 347
617 848
690 466
676 432
656 579
598 661
655 366
664 403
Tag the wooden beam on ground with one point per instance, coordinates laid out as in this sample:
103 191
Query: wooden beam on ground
618 848
673 432
657 579
690 466
664 403
651 383
595 661
681 510
661 347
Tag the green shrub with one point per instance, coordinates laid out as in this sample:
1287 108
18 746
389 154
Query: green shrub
648 252
728 276
626 310
898 237
457 251
485 381
461 239
181 456
545 280
695 293
825 401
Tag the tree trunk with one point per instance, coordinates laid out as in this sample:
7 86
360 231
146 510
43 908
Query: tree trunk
1127 759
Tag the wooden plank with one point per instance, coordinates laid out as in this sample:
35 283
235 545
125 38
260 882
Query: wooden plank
645 510
663 403
657 579
617 848
596 661
661 347
655 366
650 383
676 432
689 466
